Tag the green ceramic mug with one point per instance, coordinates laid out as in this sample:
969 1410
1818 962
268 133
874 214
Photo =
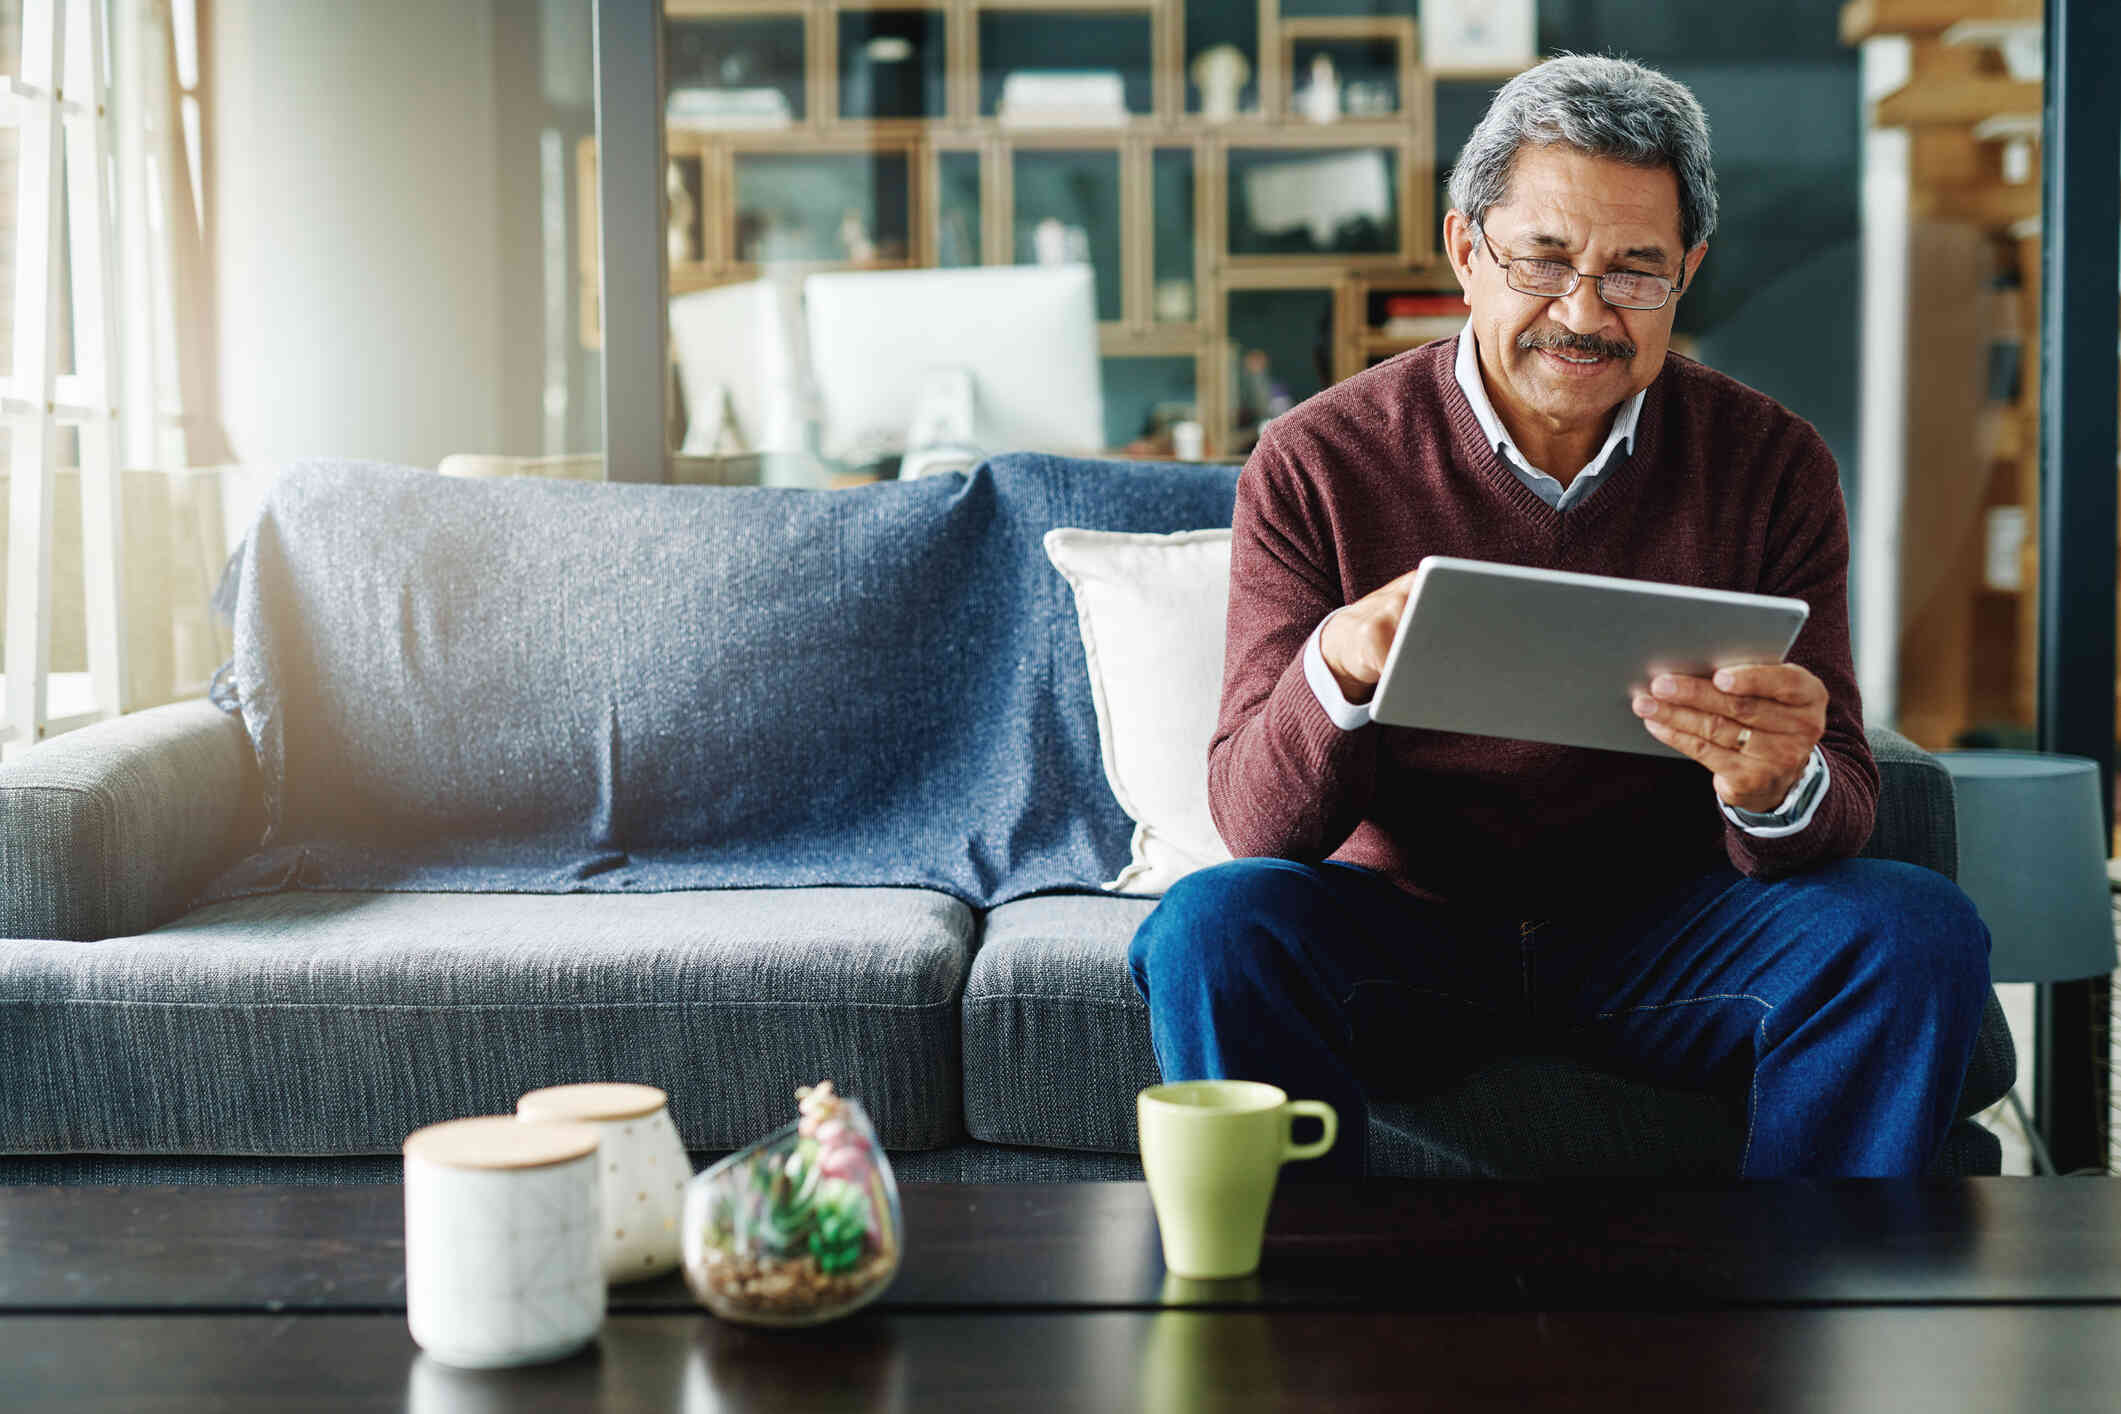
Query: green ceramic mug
1212 1150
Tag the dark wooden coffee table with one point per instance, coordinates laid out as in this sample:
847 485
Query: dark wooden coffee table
1988 1294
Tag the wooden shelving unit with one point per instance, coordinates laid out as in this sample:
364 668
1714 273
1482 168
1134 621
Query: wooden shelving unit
1967 641
713 162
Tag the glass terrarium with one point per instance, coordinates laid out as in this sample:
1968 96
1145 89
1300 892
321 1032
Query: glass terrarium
804 1226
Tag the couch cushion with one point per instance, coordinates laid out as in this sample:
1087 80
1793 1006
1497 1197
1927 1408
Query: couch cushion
1056 1044
1056 1038
338 1023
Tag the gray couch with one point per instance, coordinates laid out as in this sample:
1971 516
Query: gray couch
158 1025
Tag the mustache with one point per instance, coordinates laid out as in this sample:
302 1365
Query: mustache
1561 341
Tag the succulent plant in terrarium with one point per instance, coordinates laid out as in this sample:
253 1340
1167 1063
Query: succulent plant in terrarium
806 1199
800 1227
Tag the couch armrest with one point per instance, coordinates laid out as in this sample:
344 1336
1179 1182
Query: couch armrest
1918 815
112 829
1918 822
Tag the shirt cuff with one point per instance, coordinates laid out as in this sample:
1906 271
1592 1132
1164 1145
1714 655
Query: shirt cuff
1345 714
1796 810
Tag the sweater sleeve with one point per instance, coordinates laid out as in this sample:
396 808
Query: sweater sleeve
1807 558
1283 780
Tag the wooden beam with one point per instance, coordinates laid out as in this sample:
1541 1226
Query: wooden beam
1862 19
1942 156
1348 27
1954 100
1994 208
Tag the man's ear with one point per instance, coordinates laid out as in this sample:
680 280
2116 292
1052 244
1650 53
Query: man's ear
1458 241
1693 263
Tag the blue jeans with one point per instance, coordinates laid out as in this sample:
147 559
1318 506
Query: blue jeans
1843 1003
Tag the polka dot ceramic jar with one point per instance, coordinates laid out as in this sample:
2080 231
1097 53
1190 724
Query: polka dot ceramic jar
642 1165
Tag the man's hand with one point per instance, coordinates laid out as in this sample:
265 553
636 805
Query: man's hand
1754 727
1358 637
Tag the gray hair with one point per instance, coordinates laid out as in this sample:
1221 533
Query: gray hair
1602 106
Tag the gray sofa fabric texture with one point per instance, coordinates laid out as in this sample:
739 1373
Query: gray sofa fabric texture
1056 1038
338 1023
1918 812
113 829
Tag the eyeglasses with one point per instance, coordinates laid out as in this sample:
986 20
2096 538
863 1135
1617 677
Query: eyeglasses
1551 279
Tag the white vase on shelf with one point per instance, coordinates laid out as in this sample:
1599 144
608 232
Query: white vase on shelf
1220 73
1320 98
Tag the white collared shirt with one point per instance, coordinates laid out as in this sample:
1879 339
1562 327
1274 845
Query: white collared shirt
1797 808
1545 487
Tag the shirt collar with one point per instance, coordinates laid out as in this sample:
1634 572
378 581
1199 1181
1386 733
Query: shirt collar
1470 381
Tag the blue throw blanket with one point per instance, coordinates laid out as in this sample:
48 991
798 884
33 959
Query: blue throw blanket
542 687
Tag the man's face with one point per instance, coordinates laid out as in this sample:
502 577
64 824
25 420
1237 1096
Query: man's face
1569 361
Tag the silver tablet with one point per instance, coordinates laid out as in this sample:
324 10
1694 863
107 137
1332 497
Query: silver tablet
1546 655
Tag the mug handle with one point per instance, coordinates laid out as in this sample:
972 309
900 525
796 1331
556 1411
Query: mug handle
1325 1115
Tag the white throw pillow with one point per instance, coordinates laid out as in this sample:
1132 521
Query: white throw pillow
1152 610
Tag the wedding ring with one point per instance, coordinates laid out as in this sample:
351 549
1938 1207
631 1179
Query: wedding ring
1745 734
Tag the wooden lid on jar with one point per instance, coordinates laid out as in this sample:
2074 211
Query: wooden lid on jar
603 1101
500 1142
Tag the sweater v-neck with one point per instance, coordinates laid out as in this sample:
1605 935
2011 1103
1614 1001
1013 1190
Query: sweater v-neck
1475 451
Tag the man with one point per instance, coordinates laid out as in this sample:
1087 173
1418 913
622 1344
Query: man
1405 902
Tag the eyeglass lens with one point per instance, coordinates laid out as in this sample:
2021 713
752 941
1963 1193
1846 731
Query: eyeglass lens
1627 288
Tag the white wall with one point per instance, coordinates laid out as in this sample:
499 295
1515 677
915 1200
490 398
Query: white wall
356 176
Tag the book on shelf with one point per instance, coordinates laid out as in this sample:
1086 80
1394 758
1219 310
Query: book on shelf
1089 98
1423 328
1425 304
721 108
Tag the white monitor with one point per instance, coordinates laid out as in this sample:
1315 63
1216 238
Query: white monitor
739 353
1026 334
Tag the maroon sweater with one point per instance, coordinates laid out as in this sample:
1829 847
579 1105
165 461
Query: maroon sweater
1724 489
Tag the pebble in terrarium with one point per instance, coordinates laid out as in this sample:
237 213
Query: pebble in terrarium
801 1227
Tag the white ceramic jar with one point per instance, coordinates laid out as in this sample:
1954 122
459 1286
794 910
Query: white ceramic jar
502 1265
642 1163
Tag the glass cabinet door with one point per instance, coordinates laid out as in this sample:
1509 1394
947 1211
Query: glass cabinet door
1067 212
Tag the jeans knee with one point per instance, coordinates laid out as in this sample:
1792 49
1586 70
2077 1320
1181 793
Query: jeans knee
1207 932
1921 930
1963 956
